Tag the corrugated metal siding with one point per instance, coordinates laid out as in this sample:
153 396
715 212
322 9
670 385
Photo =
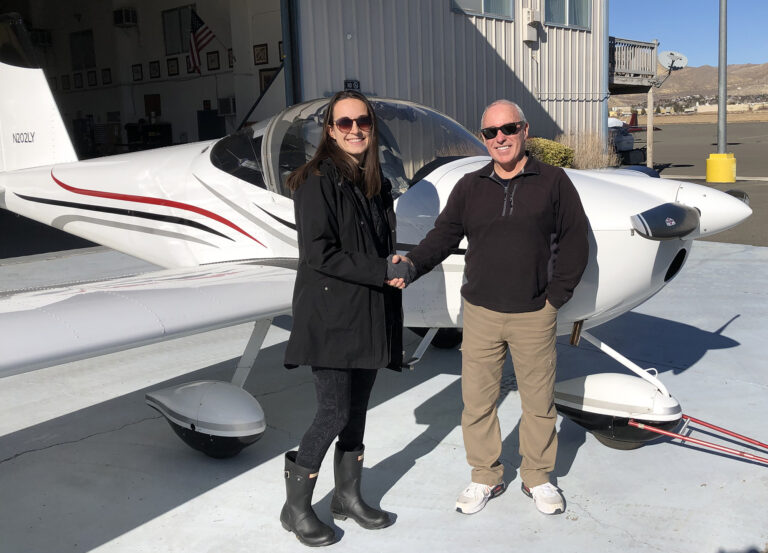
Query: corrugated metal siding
572 63
425 52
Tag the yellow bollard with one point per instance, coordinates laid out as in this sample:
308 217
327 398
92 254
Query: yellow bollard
721 168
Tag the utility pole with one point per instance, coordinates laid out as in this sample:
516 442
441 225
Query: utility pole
649 130
721 167
722 79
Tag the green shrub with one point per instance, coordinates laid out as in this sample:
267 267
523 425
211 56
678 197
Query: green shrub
549 151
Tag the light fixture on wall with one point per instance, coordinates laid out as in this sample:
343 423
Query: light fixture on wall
531 20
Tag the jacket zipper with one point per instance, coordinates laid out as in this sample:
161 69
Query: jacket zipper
512 198
509 198
506 199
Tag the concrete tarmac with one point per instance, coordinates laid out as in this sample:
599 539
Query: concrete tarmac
753 231
86 465
681 151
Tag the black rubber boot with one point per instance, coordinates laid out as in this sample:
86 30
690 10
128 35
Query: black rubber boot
347 502
297 515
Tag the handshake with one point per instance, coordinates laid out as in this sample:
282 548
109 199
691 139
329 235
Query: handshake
400 271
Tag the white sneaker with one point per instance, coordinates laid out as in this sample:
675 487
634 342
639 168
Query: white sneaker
475 496
547 498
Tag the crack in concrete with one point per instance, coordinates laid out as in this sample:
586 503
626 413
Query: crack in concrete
279 390
586 511
283 431
51 446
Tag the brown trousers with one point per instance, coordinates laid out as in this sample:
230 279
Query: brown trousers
530 338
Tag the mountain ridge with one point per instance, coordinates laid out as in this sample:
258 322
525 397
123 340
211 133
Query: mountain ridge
746 79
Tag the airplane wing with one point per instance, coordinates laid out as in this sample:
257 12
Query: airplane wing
48 326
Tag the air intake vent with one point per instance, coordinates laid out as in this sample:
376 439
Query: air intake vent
227 106
125 17
41 37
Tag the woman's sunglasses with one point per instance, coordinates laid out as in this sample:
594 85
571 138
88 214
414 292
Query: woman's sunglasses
509 128
345 124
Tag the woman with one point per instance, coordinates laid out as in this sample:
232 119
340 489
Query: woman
347 322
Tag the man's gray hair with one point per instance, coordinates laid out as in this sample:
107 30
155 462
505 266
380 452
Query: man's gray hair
506 103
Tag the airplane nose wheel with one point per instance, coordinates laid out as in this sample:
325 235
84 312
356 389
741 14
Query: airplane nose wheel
622 433
616 444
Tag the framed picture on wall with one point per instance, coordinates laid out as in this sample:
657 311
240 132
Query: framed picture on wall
91 77
266 76
260 55
77 80
154 69
173 67
65 82
137 72
106 76
213 60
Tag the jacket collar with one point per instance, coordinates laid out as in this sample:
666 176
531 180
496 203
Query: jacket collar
532 167
328 168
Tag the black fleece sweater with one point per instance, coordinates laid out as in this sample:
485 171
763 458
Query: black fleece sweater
527 238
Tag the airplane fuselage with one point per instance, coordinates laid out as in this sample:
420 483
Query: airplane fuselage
174 208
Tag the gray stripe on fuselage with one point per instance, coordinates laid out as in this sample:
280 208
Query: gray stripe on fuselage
253 219
60 222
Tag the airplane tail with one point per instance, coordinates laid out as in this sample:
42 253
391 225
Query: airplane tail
32 132
633 119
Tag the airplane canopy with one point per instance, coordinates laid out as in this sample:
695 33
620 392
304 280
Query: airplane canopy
413 141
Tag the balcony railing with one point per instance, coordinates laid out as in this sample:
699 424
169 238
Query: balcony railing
632 65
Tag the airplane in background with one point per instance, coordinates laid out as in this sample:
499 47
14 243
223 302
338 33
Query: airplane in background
620 135
218 217
632 126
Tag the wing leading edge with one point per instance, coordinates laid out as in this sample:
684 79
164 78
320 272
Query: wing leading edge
56 325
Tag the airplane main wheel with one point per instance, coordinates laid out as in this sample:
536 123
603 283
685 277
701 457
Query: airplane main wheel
446 338
616 444
217 418
218 447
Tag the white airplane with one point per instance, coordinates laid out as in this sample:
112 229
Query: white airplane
218 217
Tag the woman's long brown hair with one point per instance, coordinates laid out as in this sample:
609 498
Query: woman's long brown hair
349 167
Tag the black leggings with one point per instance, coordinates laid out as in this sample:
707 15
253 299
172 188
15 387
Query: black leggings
342 403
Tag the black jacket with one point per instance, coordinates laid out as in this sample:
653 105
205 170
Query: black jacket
344 316
527 238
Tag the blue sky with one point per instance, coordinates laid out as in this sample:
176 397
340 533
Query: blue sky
691 27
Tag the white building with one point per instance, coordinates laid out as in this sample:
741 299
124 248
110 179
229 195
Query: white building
550 56
116 62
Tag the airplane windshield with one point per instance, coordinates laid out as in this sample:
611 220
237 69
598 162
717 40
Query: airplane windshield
239 154
413 140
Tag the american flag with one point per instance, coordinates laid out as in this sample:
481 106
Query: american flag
200 36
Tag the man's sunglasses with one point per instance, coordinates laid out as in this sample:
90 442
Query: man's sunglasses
509 128
344 124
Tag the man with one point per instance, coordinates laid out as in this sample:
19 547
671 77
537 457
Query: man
528 248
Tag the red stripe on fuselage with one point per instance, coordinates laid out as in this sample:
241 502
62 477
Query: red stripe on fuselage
153 201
